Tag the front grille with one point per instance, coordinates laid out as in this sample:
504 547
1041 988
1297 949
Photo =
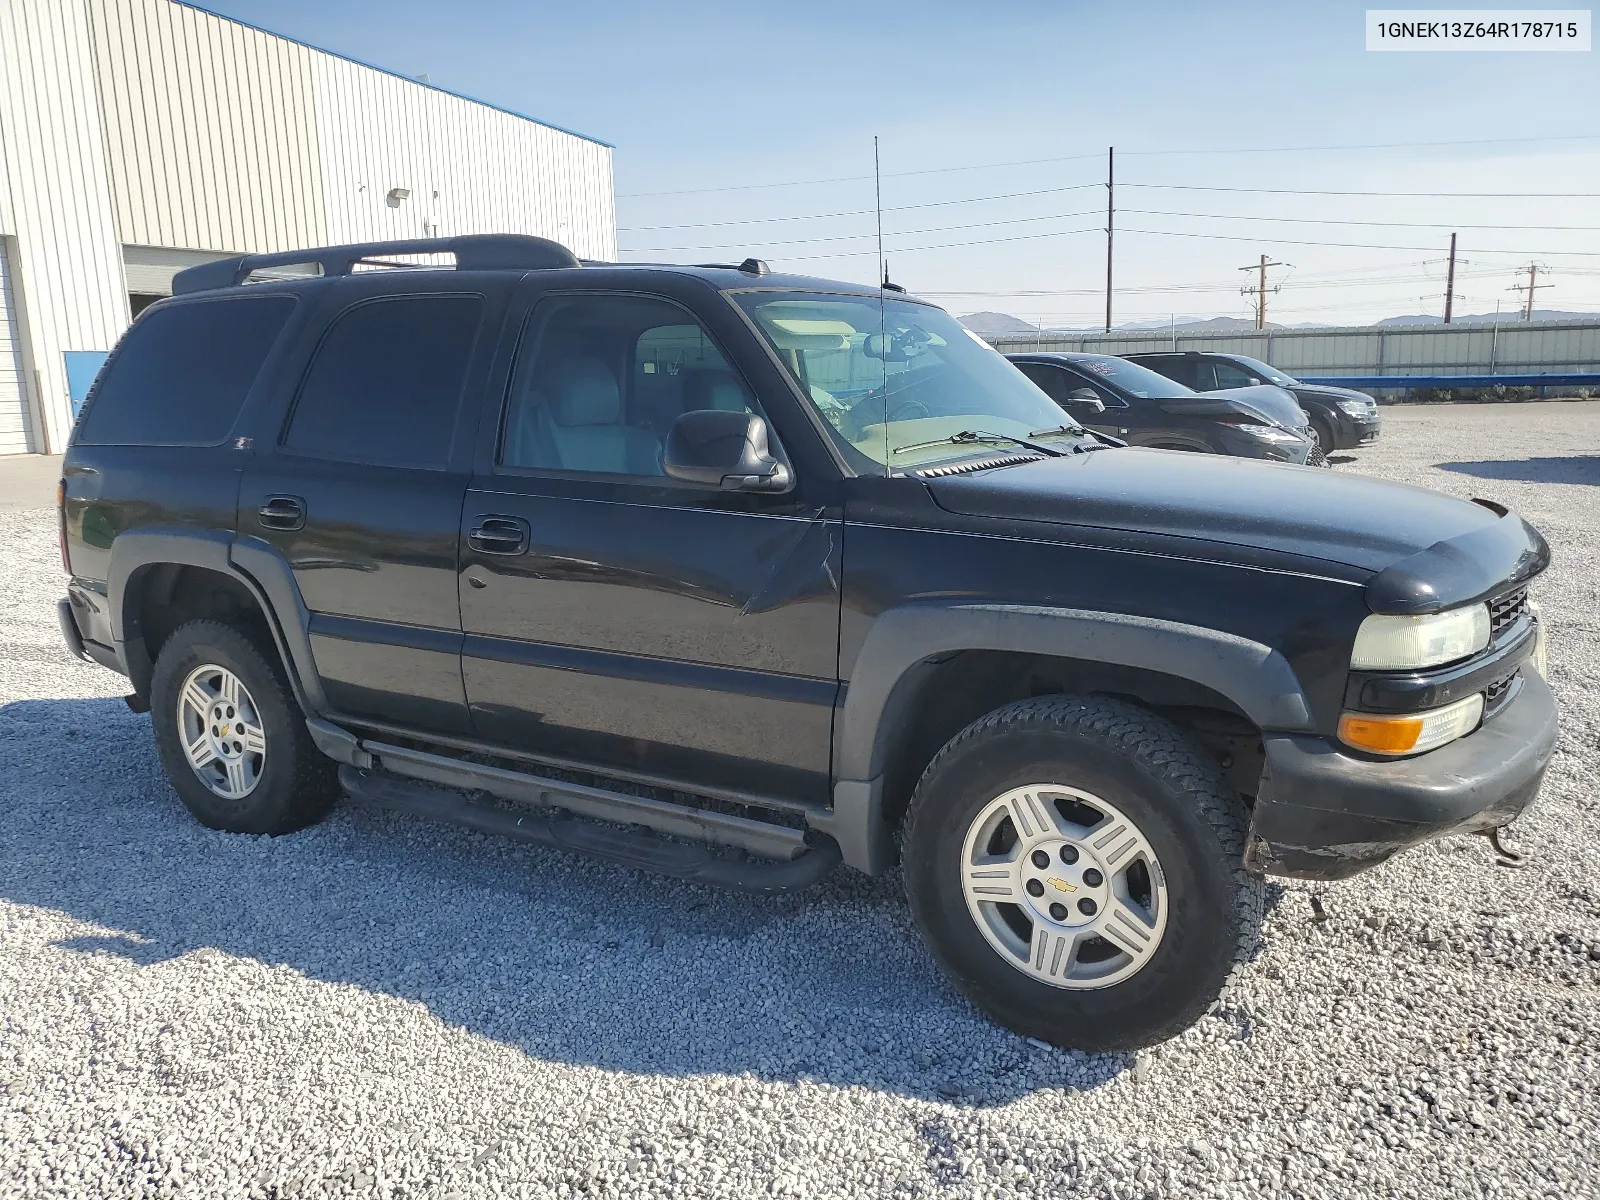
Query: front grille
1316 458
1497 693
1506 610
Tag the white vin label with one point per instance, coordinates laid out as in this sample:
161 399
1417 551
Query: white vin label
1549 29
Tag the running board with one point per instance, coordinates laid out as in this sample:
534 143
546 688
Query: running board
784 859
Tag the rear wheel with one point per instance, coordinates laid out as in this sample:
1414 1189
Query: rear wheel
231 736
1075 864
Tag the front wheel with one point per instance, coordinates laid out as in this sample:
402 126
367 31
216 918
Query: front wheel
1075 864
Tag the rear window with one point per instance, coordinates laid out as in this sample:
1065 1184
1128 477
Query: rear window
385 385
182 373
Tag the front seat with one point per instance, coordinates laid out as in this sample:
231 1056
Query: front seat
585 423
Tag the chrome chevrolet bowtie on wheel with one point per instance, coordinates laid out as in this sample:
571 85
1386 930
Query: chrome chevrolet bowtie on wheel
1065 886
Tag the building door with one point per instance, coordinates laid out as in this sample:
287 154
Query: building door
15 427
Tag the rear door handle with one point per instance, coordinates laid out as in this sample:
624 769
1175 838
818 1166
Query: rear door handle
283 512
499 535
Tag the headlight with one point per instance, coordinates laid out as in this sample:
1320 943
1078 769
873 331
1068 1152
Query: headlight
1267 433
1413 733
1386 643
1356 408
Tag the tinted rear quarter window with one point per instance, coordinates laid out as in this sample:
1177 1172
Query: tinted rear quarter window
385 385
182 373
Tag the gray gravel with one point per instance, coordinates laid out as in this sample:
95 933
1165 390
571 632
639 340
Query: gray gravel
381 1007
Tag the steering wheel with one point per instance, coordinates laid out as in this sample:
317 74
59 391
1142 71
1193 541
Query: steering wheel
915 409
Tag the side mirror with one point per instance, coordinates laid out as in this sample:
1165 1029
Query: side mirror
727 450
1085 400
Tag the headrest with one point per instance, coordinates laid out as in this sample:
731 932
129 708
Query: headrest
586 394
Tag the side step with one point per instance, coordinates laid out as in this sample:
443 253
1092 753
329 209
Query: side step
787 861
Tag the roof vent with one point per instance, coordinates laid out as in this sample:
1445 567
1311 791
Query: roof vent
754 266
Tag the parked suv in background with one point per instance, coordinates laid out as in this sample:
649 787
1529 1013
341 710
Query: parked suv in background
732 575
1143 408
1341 418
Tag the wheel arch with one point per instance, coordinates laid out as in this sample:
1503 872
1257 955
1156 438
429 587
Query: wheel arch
199 573
925 671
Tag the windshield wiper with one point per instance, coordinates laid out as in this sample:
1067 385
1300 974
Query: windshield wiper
970 436
1089 439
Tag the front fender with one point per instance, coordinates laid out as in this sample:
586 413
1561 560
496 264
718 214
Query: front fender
905 644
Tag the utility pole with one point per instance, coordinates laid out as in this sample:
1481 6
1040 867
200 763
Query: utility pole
1532 286
1260 290
1450 282
1111 194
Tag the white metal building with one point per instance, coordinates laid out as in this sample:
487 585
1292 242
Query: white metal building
138 137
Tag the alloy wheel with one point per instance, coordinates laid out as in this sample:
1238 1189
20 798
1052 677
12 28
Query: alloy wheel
1064 886
221 731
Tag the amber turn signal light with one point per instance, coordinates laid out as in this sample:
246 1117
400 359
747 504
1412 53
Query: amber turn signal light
1412 733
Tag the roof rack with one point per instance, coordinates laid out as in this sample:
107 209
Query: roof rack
474 252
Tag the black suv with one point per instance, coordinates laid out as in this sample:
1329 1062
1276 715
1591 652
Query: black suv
1340 417
1144 408
733 575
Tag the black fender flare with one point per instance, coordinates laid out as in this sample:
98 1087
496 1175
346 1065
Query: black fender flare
905 644
251 562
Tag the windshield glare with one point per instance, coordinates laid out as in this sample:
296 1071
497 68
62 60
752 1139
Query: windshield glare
1271 374
1131 377
888 376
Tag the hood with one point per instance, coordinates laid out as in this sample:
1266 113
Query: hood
1264 400
1328 515
1330 394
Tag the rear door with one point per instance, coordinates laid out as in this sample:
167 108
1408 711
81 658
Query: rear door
624 619
362 491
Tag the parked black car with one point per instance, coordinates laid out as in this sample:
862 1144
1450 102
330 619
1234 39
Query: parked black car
1143 408
1342 418
733 575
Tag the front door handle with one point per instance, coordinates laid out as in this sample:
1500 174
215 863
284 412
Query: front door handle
499 535
283 512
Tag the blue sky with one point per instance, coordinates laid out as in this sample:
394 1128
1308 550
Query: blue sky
709 103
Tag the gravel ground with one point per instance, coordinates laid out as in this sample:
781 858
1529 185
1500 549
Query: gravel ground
381 1007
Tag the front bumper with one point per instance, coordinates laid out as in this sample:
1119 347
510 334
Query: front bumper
1324 814
1243 445
1358 431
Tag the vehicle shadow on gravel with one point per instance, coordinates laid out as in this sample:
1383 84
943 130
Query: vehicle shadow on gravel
1577 468
561 957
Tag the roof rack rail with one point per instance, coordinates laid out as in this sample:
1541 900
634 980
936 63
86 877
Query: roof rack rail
474 252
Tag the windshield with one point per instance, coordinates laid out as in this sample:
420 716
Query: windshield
896 380
1131 377
1271 374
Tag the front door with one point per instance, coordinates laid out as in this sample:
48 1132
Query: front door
362 495
624 619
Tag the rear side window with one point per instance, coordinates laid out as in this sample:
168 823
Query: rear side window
385 384
183 372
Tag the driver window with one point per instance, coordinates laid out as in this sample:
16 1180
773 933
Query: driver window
1230 376
601 379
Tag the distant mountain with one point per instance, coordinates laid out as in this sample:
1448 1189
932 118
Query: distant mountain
1504 317
996 322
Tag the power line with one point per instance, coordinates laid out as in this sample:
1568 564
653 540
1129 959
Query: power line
1191 187
855 237
1028 162
1160 212
864 212
1277 241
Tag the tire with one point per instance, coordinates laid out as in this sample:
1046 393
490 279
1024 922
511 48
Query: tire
1144 770
1325 439
291 784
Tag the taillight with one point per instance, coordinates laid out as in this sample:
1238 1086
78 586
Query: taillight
61 524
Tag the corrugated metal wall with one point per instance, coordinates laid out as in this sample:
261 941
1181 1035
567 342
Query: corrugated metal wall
160 127
68 266
209 128
1510 347
468 168
16 422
